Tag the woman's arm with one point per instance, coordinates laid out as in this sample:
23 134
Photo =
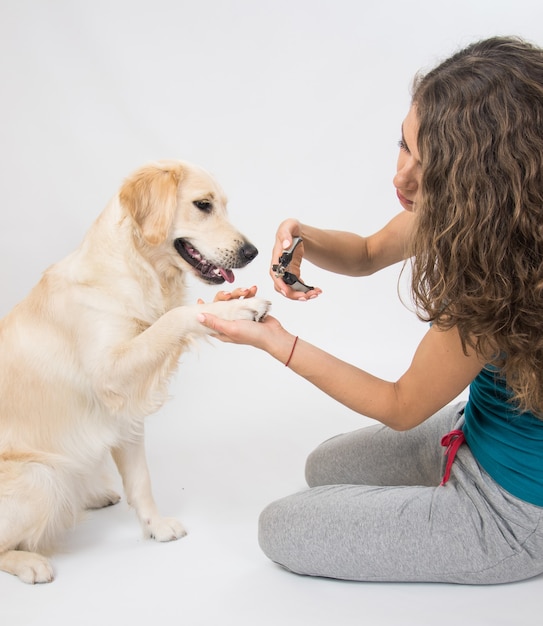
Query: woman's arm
353 255
438 373
342 252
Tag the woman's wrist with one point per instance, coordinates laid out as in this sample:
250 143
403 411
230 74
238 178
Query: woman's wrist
282 346
291 351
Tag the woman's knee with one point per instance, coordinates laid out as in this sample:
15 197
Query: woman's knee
340 459
285 528
271 530
314 467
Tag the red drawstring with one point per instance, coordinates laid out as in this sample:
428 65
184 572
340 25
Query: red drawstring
452 441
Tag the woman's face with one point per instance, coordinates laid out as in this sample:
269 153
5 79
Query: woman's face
408 169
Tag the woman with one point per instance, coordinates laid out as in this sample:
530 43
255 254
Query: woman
384 502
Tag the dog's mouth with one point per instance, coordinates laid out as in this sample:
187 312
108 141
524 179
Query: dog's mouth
205 269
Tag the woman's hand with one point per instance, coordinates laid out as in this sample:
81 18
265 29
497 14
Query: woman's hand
268 334
283 240
235 294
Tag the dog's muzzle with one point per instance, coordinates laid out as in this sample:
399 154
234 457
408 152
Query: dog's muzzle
210 271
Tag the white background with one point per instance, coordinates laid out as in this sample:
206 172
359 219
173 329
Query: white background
295 106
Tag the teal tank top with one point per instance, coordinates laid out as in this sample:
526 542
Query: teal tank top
507 444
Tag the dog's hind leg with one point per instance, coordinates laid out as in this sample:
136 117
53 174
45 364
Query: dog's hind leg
132 465
33 511
97 486
17 524
102 500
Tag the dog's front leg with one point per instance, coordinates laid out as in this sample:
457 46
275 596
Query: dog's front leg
132 465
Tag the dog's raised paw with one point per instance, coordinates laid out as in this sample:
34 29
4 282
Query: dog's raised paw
243 309
259 309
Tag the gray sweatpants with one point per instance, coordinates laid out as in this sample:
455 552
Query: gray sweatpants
375 512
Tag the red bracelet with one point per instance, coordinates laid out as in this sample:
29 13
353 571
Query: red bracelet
292 351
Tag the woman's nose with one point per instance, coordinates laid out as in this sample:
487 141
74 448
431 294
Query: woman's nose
406 175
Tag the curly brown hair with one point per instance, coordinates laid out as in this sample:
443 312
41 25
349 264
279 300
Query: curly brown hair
478 246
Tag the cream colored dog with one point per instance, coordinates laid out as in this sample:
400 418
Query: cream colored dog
88 354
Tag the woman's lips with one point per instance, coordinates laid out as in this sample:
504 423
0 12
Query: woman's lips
407 204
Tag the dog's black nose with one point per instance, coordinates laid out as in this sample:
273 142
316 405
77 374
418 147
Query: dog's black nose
248 252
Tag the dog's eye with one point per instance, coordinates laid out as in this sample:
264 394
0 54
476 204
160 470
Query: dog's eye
203 205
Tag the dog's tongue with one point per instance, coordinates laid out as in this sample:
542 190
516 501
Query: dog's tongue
228 275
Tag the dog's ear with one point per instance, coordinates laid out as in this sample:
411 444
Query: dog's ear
150 197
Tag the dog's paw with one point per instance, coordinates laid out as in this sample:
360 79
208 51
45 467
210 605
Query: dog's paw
30 567
164 529
108 498
258 309
242 309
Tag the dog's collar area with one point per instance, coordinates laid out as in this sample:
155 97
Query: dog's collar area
206 270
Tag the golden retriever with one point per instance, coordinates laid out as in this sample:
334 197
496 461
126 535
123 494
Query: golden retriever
88 354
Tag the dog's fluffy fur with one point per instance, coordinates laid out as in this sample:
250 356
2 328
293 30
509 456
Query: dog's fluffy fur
87 355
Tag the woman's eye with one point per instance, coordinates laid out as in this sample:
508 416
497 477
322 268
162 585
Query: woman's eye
402 145
203 205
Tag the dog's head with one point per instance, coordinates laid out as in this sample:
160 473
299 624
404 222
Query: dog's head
179 211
